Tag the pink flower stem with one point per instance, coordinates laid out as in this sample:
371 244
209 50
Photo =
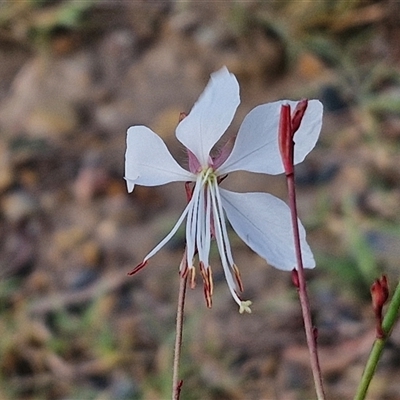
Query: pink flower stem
310 330
289 123
176 382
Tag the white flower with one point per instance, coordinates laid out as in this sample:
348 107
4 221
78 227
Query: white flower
261 220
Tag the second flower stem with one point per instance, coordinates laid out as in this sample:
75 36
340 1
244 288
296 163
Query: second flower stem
377 348
176 382
302 288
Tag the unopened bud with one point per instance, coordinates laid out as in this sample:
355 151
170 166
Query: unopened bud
285 138
298 115
379 293
288 126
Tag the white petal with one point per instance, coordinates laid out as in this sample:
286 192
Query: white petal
263 222
210 116
256 147
148 161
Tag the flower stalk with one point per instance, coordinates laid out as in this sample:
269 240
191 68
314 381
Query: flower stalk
388 322
289 124
176 382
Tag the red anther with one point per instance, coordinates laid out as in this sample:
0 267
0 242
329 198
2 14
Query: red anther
182 116
206 274
192 277
210 280
298 115
138 268
238 277
295 278
203 271
286 144
207 296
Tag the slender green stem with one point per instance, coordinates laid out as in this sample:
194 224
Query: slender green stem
304 302
377 348
176 382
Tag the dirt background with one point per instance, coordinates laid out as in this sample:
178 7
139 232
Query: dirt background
73 77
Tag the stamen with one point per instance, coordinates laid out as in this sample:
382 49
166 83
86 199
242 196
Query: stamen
238 277
192 272
207 233
138 267
191 223
221 247
207 284
171 233
226 241
223 226
183 266
207 174
208 296
201 221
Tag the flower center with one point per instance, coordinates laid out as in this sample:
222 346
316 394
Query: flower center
208 175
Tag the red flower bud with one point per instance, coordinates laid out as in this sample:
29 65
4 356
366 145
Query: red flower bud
380 295
288 126
298 115
286 144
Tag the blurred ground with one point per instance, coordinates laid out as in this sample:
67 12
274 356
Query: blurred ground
73 77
